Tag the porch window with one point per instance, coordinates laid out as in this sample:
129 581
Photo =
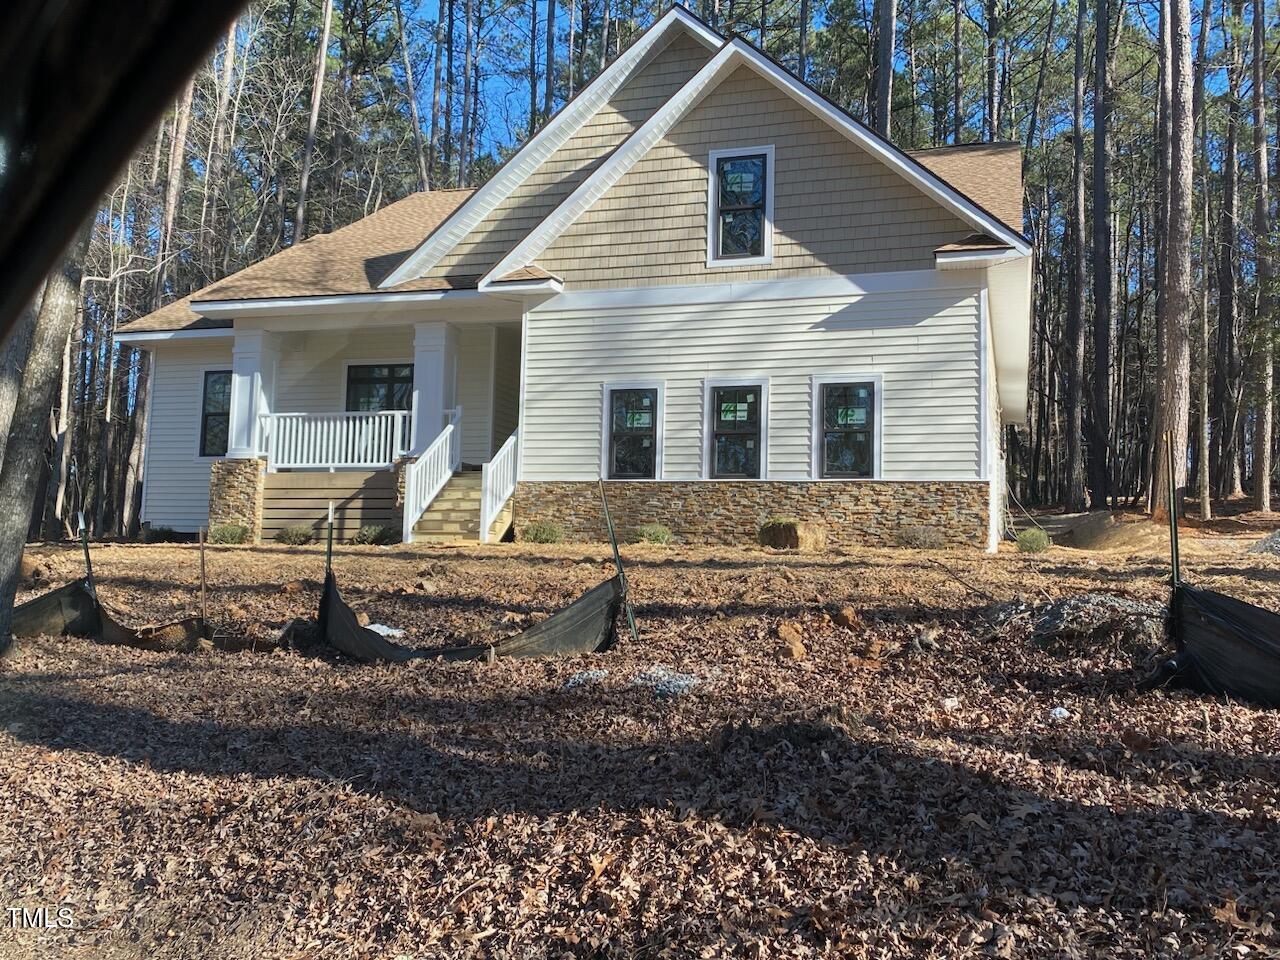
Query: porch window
215 413
735 432
848 429
376 387
740 207
633 434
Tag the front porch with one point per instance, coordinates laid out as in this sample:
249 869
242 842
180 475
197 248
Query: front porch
323 414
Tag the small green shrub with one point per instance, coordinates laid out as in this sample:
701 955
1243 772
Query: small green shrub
658 533
1033 540
228 533
542 531
920 537
295 536
374 535
778 520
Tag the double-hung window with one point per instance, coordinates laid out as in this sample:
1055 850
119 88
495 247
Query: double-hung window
633 421
736 418
740 207
846 438
372 388
215 413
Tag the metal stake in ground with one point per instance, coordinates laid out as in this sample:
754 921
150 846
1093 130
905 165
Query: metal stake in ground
328 550
1173 511
203 610
88 563
617 562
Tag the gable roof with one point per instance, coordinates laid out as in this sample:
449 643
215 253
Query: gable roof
733 54
354 259
553 135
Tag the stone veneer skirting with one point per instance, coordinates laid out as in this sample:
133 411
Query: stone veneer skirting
235 493
856 512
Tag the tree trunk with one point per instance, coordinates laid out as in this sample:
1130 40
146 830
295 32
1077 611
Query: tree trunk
1103 268
1204 493
56 495
886 35
533 67
309 144
1073 495
433 148
803 63
131 500
1174 396
548 94
468 91
1263 352
173 190
20 473
957 69
412 96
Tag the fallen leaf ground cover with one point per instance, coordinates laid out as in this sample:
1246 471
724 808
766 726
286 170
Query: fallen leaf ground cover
903 783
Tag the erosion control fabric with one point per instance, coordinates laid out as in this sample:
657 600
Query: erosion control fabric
73 610
588 625
1225 646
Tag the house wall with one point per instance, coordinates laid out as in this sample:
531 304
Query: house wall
311 375
918 330
837 209
555 179
506 384
175 491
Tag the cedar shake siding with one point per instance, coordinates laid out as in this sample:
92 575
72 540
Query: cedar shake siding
555 179
837 209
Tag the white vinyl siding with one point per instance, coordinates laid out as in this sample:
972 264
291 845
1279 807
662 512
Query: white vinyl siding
924 342
312 373
175 477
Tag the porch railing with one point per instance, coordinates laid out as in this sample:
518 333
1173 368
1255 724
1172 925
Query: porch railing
497 483
426 476
335 441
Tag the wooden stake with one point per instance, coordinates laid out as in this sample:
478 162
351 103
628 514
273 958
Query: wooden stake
204 617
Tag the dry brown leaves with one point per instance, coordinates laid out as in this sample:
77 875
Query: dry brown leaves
902 791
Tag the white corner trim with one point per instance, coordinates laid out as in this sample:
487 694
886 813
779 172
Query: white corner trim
606 421
714 261
747 380
733 54
553 135
877 425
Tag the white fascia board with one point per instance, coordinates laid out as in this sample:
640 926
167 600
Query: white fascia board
974 259
733 54
153 336
370 302
553 135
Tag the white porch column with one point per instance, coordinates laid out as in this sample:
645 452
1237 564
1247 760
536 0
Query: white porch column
435 359
253 368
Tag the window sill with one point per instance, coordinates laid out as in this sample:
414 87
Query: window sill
723 263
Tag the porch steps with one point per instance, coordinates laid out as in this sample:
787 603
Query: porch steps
454 515
301 498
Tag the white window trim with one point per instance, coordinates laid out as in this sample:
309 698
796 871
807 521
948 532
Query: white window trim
606 419
748 380
714 261
375 362
815 402
207 368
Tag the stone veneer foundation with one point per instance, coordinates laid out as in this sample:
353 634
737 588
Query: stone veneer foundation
235 494
866 513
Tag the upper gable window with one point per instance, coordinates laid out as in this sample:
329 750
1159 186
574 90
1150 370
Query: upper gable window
740 207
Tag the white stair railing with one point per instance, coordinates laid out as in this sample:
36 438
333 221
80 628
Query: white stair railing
497 483
334 441
426 476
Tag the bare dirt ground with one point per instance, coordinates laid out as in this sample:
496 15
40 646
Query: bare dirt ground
903 790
